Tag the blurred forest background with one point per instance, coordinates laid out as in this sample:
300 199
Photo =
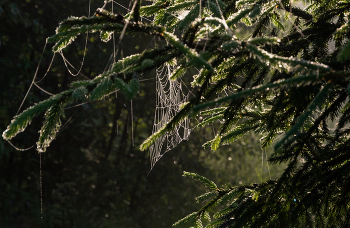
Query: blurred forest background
92 174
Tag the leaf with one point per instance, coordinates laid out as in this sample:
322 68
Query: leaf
275 59
199 223
260 89
181 6
293 133
237 17
126 62
51 126
178 72
206 216
275 20
79 92
211 120
205 181
191 218
213 7
196 59
130 89
151 9
216 142
189 18
21 121
104 88
206 196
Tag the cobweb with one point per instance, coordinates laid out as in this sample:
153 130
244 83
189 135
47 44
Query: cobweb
170 96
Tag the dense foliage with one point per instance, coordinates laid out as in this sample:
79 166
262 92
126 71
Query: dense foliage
290 86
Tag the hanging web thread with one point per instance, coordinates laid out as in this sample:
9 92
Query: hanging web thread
170 96
41 190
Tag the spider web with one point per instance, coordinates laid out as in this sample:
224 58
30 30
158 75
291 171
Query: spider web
170 96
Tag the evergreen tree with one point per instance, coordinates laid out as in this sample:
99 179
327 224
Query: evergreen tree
291 86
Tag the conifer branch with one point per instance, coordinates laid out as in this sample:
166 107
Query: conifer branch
51 126
293 132
261 89
21 121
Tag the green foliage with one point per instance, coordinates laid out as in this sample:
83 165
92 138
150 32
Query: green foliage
188 219
197 61
189 18
104 88
316 103
130 89
208 183
283 82
21 121
66 34
51 126
79 92
108 86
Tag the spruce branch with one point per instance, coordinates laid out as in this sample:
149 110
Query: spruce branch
73 27
197 60
316 103
21 121
191 218
51 126
262 89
